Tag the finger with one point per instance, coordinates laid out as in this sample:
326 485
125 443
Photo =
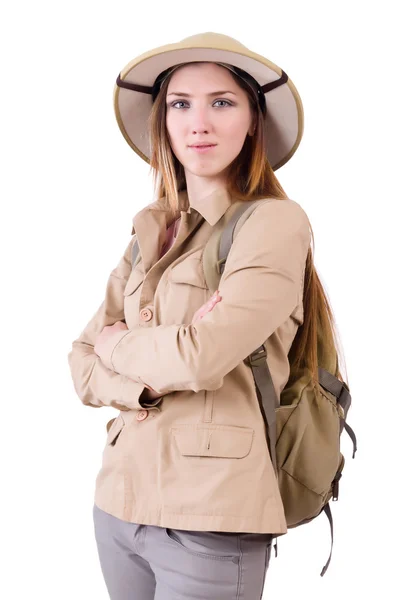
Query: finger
214 301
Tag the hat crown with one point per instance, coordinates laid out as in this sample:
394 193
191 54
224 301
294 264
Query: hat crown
211 39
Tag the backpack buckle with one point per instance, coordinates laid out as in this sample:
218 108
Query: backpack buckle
335 486
220 265
258 357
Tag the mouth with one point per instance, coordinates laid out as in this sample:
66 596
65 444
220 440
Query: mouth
202 148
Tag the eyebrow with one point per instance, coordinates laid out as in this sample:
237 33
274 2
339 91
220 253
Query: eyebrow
210 94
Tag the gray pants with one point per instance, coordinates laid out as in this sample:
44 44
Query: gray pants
146 562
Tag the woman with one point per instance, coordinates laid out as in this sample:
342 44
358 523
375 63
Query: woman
186 501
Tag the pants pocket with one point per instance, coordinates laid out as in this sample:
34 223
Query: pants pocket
215 545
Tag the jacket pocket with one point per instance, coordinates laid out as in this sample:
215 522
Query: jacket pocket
135 280
186 289
222 441
205 469
189 271
110 423
114 428
132 299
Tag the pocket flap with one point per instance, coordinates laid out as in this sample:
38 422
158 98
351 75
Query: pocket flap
134 281
110 423
223 441
114 427
190 271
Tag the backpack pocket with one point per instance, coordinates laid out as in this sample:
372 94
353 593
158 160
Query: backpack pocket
308 450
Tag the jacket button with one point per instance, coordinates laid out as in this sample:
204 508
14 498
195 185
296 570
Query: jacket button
142 414
146 314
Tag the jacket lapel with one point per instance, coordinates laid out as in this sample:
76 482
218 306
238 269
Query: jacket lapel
150 226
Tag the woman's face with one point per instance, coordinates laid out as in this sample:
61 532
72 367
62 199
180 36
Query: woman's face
205 105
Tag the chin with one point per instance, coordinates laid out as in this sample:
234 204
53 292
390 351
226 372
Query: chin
205 170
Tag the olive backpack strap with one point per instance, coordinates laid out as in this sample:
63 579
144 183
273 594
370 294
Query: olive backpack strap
214 260
340 390
134 252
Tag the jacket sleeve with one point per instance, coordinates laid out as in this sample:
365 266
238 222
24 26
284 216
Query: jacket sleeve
260 288
95 384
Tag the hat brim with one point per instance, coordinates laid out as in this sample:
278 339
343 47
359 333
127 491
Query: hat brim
284 116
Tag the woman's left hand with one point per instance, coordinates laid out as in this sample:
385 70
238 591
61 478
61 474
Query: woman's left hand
106 333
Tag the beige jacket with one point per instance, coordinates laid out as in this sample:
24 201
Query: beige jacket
198 458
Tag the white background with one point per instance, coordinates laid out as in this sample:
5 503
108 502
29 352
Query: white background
70 186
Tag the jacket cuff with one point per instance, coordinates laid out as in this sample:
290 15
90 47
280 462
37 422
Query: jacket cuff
130 392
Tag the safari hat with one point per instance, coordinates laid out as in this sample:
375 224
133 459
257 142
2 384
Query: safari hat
138 84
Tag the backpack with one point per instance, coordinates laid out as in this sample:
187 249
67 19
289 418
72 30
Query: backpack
304 429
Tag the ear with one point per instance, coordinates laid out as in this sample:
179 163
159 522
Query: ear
252 127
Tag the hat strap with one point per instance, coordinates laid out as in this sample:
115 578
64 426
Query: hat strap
274 84
135 87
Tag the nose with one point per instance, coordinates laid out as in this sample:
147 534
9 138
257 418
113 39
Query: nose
200 122
199 130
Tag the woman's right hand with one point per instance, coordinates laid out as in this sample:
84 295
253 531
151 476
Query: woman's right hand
207 307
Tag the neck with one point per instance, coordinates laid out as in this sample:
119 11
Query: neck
201 187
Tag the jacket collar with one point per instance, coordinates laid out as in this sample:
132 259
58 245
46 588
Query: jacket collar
212 206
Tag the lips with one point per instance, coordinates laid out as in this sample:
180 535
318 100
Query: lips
203 148
201 145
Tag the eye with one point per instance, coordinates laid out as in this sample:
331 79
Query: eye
173 105
226 101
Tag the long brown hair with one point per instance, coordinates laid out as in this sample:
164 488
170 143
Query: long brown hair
250 177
